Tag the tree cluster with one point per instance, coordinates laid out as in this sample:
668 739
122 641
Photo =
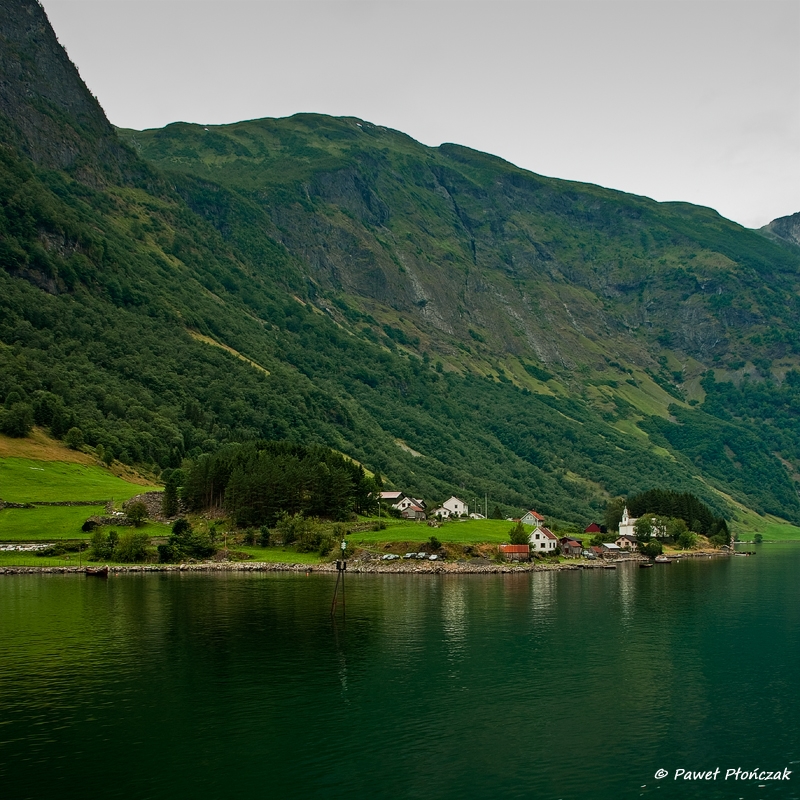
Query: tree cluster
260 481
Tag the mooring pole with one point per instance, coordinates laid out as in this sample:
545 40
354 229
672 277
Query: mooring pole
341 568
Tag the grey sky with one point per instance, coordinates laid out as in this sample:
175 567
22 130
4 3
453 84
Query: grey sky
678 100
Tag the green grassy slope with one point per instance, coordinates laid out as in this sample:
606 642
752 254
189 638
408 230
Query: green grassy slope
24 480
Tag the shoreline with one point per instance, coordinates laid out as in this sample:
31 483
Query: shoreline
357 567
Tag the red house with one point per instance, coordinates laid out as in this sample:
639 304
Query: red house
593 528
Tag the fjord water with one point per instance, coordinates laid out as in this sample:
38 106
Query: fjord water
546 685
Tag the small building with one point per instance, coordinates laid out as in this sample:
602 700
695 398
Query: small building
441 512
413 512
597 551
455 507
533 518
516 552
627 542
610 549
543 540
570 547
594 528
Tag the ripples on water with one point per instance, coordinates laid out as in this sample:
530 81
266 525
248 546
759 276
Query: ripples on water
551 685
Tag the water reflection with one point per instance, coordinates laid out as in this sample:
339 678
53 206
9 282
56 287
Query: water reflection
438 686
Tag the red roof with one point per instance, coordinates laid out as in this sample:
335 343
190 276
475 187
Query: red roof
515 548
593 528
597 549
536 515
548 533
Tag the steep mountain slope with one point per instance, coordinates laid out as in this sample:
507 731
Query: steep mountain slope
786 229
443 317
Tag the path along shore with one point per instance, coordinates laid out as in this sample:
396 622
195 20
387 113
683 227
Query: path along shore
356 566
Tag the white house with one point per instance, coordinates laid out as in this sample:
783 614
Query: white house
533 518
543 540
455 507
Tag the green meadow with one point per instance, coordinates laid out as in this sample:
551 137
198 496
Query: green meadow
45 523
24 480
473 531
773 532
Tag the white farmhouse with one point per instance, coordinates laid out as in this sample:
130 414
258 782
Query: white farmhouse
533 518
455 507
543 540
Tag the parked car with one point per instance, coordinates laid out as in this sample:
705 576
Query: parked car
410 555
389 557
434 557
422 555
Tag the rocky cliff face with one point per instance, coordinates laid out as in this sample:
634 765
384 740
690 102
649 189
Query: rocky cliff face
785 228
479 260
45 108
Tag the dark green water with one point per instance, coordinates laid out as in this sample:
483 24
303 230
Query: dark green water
568 685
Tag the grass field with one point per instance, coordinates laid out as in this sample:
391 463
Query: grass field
773 532
24 480
279 555
51 523
45 523
473 531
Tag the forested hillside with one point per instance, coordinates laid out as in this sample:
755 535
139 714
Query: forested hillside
442 317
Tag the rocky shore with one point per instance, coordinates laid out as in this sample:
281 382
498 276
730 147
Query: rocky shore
476 567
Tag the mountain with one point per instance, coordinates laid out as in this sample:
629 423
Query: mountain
445 318
786 229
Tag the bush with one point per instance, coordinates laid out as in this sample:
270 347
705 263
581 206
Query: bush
378 525
434 543
518 534
132 547
651 549
263 537
74 439
136 513
687 540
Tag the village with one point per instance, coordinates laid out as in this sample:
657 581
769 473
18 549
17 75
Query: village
541 541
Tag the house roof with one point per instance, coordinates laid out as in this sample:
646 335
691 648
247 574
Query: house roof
515 548
610 546
572 542
535 515
414 508
548 533
597 549
627 537
391 495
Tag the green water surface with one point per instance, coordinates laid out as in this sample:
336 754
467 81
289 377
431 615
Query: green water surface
547 685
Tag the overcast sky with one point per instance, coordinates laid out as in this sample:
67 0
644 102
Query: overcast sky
695 100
